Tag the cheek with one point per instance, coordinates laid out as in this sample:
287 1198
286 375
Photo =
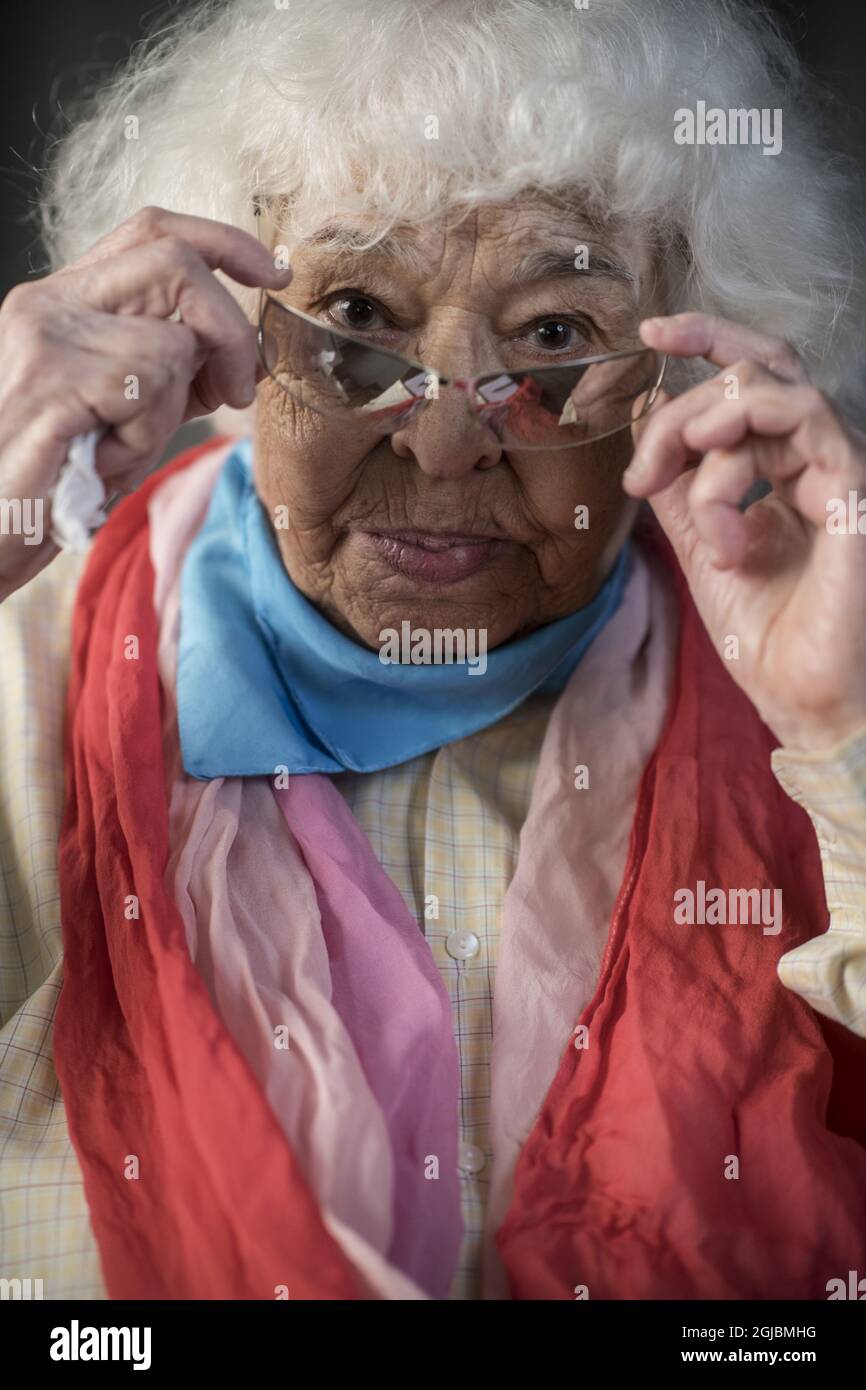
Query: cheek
303 460
575 497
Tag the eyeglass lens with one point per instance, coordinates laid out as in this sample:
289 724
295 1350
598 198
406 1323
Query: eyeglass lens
540 408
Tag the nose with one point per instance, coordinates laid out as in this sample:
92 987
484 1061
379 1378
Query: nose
445 440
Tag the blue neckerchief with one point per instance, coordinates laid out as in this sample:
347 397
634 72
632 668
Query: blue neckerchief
266 682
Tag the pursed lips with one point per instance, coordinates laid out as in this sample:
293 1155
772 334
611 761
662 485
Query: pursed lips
434 557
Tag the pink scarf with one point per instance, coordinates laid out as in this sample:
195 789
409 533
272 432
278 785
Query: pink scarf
310 1166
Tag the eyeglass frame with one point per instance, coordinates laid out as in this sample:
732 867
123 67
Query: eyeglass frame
468 385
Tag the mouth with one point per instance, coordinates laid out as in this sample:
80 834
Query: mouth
434 557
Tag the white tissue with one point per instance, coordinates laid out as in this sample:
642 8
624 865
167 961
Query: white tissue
77 503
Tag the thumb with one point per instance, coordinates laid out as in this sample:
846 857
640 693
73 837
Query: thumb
639 419
671 507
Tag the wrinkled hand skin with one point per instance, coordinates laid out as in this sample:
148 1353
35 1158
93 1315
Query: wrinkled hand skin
776 577
94 347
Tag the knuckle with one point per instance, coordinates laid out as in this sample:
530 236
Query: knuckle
172 359
20 299
177 253
32 343
147 221
701 488
142 438
160 375
783 359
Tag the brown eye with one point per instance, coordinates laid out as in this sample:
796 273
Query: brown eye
557 335
356 312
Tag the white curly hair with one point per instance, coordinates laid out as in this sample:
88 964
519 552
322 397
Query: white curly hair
323 103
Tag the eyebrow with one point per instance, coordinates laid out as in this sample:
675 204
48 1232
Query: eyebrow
399 249
402 249
541 265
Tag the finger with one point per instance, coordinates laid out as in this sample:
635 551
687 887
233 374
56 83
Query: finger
151 280
135 444
115 344
717 488
41 449
671 508
136 386
762 409
721 342
128 453
664 449
220 245
109 368
640 420
799 443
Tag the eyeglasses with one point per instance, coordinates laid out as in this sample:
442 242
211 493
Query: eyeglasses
558 407
343 376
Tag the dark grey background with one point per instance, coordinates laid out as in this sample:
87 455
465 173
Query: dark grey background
55 45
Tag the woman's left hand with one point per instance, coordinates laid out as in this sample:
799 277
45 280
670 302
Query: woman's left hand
786 578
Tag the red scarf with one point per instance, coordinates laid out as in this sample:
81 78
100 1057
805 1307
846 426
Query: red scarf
696 1050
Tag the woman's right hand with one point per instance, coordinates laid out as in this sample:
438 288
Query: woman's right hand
93 346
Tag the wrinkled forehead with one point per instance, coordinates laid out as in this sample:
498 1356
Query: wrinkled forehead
531 239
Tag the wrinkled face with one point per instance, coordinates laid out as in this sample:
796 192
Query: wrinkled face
438 523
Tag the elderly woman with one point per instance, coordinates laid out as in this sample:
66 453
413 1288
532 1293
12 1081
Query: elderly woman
448 794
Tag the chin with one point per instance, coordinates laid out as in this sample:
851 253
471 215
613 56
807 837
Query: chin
424 616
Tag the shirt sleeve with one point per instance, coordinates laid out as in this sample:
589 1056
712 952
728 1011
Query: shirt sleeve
829 971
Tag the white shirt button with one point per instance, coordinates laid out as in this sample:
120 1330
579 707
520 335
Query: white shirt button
462 945
470 1159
